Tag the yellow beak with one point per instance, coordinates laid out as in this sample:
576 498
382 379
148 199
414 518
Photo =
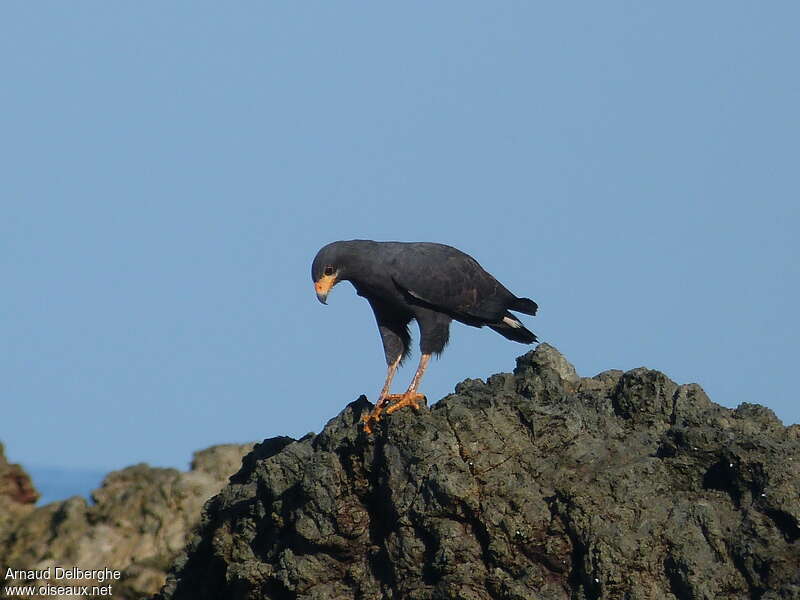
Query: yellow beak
323 286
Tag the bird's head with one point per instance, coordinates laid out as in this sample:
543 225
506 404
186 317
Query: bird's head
326 270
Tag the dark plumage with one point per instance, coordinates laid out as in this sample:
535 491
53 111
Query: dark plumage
431 283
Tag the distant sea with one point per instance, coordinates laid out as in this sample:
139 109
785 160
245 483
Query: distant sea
60 483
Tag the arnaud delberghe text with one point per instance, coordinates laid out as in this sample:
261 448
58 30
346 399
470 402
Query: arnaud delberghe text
59 573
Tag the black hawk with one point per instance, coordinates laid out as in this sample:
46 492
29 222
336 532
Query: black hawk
430 283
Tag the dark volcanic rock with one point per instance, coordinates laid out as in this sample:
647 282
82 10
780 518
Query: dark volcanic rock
536 484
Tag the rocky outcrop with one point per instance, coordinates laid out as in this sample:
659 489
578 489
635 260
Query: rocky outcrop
537 484
137 524
17 494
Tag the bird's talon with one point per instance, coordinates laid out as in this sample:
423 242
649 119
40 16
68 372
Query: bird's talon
408 399
369 420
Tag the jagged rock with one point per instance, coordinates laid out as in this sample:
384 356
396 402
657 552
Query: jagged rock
17 494
137 525
536 484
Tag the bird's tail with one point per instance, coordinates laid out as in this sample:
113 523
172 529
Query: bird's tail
512 328
524 305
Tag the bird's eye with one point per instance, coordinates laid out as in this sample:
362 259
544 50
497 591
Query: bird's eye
329 270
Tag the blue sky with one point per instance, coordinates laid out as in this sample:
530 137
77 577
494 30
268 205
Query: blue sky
170 170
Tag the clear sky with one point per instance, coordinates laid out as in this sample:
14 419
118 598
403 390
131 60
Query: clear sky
169 170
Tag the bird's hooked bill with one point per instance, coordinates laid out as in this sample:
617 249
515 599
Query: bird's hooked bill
323 286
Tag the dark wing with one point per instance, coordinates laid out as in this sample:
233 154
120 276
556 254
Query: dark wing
451 281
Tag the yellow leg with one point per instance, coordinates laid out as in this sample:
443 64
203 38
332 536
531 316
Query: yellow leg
411 397
375 416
